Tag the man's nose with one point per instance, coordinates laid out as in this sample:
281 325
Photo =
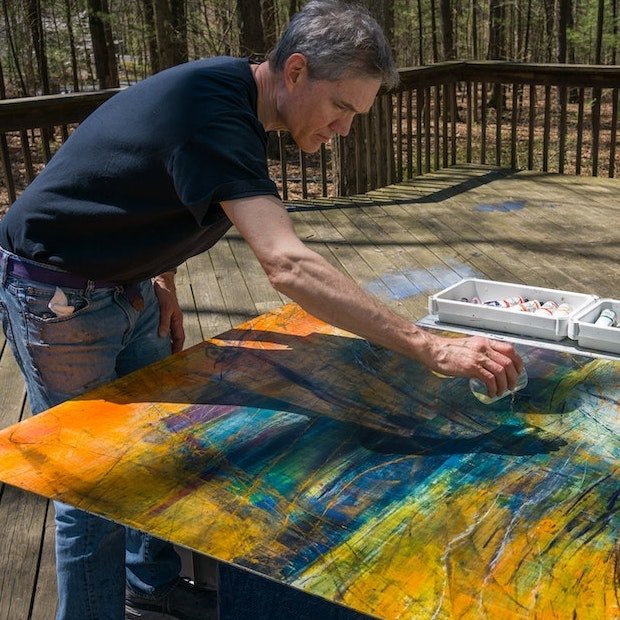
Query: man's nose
342 126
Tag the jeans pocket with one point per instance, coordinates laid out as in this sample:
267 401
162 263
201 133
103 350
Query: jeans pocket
39 303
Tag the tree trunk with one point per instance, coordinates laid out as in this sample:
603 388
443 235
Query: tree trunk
598 47
74 66
251 37
293 7
564 7
497 42
447 30
434 33
614 15
474 28
420 35
151 35
2 85
270 29
526 38
103 44
171 43
11 42
179 31
569 52
549 26
38 41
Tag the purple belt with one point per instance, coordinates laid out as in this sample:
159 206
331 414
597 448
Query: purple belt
40 273
46 275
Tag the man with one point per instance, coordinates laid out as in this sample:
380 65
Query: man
158 174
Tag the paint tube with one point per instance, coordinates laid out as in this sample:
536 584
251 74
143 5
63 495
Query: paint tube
606 318
527 306
512 301
563 310
547 309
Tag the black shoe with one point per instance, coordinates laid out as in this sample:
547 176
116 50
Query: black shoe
184 602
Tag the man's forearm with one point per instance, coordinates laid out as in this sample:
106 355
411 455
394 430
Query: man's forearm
325 292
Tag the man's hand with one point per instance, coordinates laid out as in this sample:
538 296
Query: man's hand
170 313
495 363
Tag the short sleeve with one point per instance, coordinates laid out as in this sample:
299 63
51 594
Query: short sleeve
223 161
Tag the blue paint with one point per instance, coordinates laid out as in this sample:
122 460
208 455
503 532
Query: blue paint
445 276
402 284
465 271
504 207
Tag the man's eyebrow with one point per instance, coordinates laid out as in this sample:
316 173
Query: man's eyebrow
348 106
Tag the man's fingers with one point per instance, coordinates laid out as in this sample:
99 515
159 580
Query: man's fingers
505 348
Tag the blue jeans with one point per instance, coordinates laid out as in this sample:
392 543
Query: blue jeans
104 337
246 596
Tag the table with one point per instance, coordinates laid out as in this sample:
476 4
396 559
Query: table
301 452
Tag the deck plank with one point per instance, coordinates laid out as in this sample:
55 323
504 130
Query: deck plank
45 598
420 235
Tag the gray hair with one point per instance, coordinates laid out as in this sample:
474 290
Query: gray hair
338 39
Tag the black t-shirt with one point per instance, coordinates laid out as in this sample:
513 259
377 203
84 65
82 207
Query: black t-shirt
136 188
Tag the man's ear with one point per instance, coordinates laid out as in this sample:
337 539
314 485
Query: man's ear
295 69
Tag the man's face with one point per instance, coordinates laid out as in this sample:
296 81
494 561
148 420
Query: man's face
315 110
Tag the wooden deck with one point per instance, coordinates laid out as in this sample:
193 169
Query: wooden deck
402 243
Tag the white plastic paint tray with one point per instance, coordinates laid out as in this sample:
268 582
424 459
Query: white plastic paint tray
449 308
590 336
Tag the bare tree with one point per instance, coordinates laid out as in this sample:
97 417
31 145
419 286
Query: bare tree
564 7
447 30
614 15
598 46
293 7
270 28
72 51
549 7
13 49
171 32
179 31
497 45
35 23
474 10
103 43
420 34
251 35
150 34
525 48
434 32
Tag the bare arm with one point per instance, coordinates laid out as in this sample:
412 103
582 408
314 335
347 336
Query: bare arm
323 291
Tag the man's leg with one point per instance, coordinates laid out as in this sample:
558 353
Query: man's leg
246 596
62 356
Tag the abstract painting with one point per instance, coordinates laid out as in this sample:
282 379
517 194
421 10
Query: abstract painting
308 455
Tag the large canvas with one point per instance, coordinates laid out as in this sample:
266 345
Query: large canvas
303 453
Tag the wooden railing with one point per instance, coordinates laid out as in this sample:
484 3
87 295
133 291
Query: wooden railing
560 118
